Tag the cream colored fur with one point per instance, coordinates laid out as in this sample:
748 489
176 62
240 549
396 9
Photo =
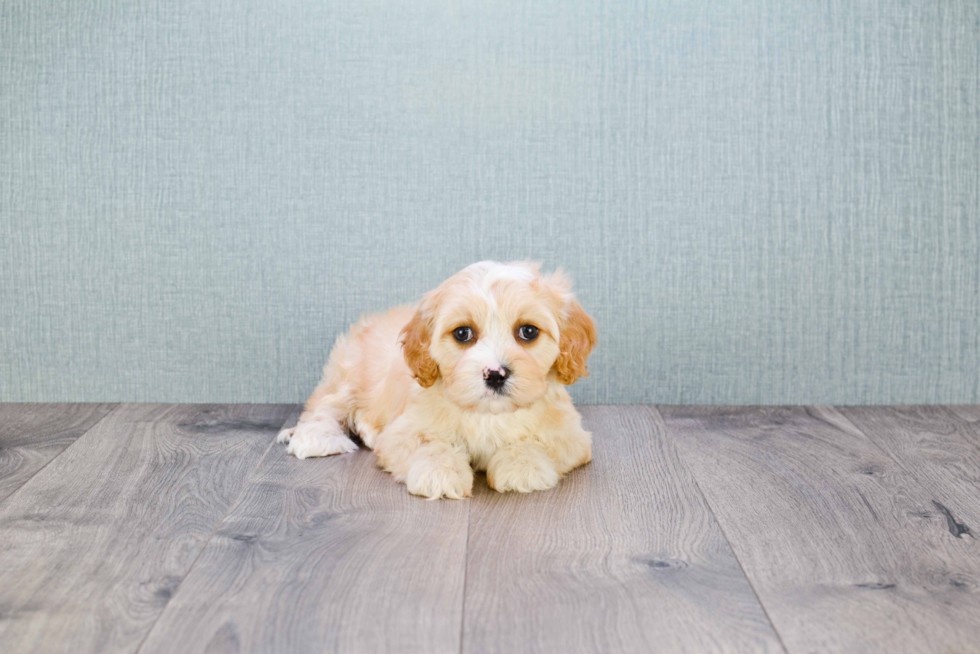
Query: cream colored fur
419 398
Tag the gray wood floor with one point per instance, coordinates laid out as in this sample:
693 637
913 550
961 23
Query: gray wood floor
182 528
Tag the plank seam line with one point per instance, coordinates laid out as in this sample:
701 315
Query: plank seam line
217 526
748 580
714 516
58 455
945 408
466 565
891 457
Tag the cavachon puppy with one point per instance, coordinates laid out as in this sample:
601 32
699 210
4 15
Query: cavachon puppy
472 378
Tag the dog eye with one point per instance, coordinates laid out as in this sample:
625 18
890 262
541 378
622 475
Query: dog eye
527 332
463 334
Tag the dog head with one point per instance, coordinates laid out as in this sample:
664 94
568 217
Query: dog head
497 335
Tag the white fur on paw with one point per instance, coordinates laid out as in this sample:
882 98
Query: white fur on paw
438 476
285 435
318 439
522 470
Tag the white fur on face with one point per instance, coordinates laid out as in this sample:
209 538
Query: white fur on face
494 300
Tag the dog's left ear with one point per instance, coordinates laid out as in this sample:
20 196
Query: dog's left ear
415 338
577 331
578 337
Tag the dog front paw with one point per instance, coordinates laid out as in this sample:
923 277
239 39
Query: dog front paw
317 438
521 467
438 472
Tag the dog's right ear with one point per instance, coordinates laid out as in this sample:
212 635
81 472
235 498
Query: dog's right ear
415 339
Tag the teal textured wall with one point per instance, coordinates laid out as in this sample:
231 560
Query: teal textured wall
761 202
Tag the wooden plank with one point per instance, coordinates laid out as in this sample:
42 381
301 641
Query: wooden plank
846 550
33 434
933 445
324 555
94 545
970 415
623 556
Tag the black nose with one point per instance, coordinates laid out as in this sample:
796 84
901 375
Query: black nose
496 379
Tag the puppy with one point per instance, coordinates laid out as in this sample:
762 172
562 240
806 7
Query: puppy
473 378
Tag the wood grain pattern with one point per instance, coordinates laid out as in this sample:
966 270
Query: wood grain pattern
33 434
970 416
932 445
324 555
95 544
170 528
624 556
846 551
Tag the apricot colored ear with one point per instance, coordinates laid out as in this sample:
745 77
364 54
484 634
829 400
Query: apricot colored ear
578 337
415 339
